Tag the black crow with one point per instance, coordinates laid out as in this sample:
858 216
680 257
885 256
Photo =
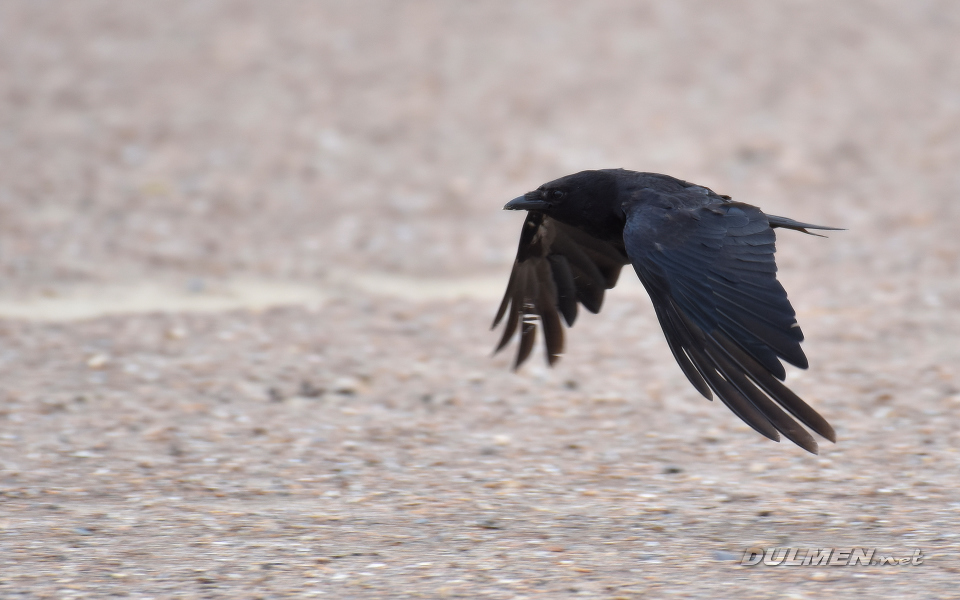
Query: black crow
707 263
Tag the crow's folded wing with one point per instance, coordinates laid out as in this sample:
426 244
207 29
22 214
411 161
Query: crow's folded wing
711 274
556 267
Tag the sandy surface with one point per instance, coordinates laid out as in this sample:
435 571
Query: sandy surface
249 253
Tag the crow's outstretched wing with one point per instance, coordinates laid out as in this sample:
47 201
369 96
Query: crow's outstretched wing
710 272
556 267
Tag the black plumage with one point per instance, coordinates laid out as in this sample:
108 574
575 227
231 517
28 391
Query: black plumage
707 263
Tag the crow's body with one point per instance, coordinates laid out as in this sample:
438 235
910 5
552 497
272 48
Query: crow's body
707 263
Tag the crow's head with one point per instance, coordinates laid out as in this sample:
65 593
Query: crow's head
587 200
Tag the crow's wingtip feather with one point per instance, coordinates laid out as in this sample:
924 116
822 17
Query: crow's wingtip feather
829 434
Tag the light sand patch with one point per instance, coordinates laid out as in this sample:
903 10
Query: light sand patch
133 297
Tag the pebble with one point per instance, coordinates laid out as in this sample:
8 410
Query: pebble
98 361
346 385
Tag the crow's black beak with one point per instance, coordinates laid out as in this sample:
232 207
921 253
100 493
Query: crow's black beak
527 202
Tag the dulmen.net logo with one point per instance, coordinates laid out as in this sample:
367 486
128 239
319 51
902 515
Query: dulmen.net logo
832 557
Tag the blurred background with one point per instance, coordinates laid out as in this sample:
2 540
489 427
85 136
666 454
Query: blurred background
249 253
296 140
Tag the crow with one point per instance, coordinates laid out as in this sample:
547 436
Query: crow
707 263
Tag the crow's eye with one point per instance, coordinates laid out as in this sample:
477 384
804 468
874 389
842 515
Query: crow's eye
556 194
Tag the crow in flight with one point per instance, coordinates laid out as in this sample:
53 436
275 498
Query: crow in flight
707 263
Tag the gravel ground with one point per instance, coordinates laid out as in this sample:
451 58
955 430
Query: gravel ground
249 253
